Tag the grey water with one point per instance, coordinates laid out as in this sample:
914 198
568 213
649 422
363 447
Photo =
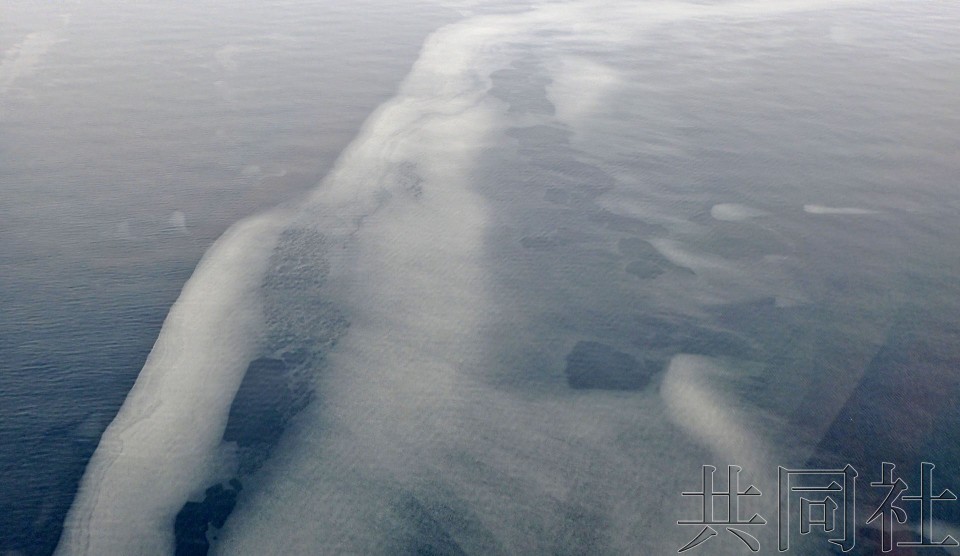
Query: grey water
534 267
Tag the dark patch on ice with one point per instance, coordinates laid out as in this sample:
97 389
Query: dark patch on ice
195 518
302 327
636 248
269 396
592 365
523 86
256 415
644 269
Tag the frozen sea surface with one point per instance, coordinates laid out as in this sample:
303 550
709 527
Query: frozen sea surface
574 252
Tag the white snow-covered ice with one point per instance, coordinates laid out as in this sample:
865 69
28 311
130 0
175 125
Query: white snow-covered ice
408 427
